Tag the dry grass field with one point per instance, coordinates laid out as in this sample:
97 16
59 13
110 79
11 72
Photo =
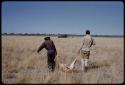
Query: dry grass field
22 64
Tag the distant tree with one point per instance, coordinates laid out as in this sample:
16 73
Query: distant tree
11 33
25 33
62 36
37 33
4 33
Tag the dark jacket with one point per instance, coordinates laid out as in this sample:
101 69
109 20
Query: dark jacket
48 45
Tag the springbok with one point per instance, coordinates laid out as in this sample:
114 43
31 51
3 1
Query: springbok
65 67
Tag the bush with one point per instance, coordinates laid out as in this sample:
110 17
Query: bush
62 36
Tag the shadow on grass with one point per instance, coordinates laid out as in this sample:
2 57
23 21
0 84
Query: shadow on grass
95 65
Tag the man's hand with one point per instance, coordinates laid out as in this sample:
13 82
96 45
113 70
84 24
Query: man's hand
37 51
55 59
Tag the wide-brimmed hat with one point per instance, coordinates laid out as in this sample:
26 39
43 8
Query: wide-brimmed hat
47 38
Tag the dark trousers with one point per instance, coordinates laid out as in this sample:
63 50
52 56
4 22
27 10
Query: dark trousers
50 61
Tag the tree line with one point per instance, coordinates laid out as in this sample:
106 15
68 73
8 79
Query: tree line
59 35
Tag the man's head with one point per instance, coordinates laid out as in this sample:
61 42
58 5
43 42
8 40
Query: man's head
47 38
87 32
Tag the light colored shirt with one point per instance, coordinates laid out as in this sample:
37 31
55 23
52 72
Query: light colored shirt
87 42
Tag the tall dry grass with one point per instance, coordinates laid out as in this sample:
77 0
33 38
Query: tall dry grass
22 64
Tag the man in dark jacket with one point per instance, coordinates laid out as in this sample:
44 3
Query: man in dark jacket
51 52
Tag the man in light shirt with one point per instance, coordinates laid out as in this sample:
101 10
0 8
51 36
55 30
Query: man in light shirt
87 42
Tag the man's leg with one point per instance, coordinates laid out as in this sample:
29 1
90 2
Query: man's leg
49 61
82 64
53 62
86 64
87 53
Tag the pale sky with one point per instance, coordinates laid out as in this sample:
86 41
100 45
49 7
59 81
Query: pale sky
70 17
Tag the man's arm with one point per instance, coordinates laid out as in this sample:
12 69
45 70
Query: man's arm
93 42
41 47
81 46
